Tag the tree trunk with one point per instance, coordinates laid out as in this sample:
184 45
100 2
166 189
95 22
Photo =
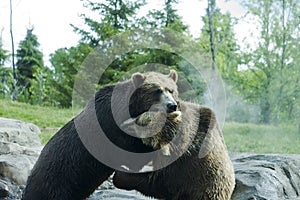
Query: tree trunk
283 56
265 111
14 86
210 11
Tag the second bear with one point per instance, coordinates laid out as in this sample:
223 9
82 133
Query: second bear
202 171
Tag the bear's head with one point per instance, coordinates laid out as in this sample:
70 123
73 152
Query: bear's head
154 91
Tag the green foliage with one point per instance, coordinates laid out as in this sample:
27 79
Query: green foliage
66 63
114 16
166 17
117 17
29 64
226 47
268 83
3 53
271 79
5 79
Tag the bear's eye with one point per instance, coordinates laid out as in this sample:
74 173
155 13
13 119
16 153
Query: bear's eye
171 91
158 91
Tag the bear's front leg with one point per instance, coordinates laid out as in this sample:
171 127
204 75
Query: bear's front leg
128 181
143 182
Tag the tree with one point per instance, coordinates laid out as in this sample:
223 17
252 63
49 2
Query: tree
66 63
271 77
119 16
160 19
14 83
166 17
5 71
218 39
210 13
115 16
29 63
3 53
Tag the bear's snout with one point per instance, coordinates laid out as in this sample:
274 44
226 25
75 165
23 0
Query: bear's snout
171 107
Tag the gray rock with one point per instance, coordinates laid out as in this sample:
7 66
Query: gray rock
116 194
108 191
10 190
266 177
258 177
16 131
19 149
4 190
16 167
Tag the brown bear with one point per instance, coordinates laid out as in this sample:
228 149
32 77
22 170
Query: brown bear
67 169
150 127
202 171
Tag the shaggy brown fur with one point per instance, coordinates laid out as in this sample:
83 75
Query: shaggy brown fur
150 127
65 169
203 171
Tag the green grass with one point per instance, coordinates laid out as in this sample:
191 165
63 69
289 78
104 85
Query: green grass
41 116
262 138
47 134
238 137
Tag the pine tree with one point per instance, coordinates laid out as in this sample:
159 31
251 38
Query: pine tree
29 62
3 53
5 71
167 17
115 16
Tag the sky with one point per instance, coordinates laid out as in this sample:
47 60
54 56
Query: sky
51 20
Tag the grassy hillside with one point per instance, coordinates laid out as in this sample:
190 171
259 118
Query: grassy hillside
40 116
239 137
49 119
262 138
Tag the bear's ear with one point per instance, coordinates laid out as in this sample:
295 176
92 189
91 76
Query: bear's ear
173 74
138 79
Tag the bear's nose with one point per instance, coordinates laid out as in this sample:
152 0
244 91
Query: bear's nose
171 107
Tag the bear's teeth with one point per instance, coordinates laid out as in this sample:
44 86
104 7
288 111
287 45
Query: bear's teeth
125 167
166 150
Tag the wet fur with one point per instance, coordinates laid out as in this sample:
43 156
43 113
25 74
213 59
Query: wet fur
203 171
65 169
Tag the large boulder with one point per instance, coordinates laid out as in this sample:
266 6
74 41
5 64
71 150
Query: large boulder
266 177
108 191
19 150
22 133
258 177
9 190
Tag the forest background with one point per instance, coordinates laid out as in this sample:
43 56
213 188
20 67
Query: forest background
261 81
